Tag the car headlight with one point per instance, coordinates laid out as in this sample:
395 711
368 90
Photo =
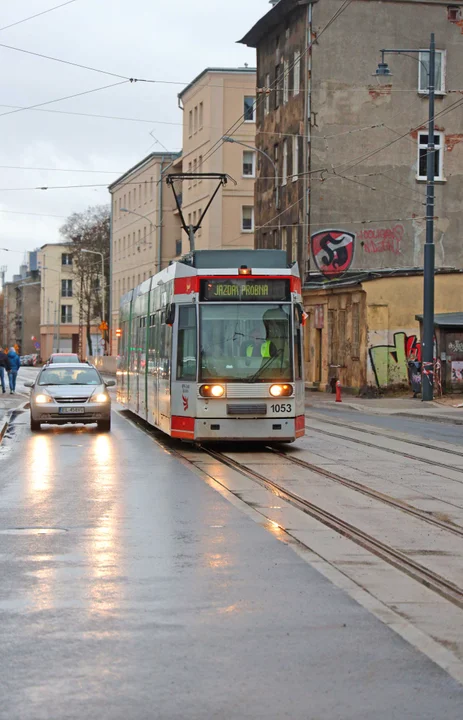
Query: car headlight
281 390
43 399
100 398
216 391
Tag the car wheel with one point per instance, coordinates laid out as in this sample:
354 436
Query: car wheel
104 425
35 426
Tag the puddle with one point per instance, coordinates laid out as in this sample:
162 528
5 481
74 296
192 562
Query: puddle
32 531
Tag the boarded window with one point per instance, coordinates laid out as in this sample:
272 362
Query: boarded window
355 330
342 338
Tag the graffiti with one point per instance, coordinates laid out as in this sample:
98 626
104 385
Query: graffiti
390 362
381 240
185 403
457 372
456 346
333 251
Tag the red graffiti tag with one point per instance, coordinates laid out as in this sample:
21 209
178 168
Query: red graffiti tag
381 240
185 403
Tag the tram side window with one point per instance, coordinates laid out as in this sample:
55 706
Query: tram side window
186 355
297 347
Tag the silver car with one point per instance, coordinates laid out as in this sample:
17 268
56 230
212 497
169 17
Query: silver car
70 393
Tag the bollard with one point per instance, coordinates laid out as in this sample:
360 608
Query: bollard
338 392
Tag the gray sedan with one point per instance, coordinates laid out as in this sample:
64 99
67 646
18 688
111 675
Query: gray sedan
67 393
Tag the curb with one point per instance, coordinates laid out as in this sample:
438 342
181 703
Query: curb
3 429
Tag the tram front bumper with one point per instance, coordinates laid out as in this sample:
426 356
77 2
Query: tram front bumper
246 429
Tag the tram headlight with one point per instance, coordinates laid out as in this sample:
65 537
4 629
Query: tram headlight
281 390
216 391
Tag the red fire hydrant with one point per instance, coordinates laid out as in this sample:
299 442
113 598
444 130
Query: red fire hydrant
338 392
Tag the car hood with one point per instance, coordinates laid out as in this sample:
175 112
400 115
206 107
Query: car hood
77 391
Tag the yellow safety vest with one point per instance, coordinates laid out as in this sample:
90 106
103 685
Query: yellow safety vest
264 349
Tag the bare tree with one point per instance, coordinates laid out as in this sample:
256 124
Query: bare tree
89 230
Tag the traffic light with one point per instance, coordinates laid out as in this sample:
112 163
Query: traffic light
118 333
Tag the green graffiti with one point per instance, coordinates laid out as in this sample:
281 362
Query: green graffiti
389 362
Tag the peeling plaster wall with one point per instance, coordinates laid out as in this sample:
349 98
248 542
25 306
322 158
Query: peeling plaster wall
353 116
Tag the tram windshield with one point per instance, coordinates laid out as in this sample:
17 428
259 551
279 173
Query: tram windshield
245 342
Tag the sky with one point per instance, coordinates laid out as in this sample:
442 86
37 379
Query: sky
153 39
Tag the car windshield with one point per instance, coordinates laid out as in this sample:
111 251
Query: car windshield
70 376
246 343
64 359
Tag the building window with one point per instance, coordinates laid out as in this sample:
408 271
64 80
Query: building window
423 156
423 72
277 86
125 201
267 95
284 178
178 247
123 246
297 73
275 152
130 199
201 116
135 197
200 166
195 169
285 82
283 238
199 219
66 313
195 121
139 195
120 205
295 157
249 164
144 237
151 188
190 123
294 244
66 259
66 288
249 109
146 191
247 218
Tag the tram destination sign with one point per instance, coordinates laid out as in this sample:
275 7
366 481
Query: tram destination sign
246 289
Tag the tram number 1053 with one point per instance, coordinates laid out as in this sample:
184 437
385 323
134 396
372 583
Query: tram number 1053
281 408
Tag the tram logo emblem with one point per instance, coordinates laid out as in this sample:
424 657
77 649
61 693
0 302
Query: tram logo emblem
185 403
333 251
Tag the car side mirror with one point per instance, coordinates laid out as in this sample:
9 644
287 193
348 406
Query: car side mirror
29 384
110 383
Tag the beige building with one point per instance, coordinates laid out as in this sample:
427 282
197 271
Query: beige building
217 103
60 330
146 233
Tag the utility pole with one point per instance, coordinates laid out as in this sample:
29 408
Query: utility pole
427 365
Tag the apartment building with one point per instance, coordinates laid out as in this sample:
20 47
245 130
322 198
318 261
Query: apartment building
145 230
21 308
351 156
220 102
60 326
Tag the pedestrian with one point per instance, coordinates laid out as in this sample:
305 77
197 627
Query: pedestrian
15 364
4 366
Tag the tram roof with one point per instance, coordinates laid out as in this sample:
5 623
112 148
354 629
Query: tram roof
216 259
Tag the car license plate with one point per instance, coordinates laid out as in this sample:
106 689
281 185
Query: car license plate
71 411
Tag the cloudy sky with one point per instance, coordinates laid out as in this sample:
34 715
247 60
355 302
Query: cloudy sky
153 39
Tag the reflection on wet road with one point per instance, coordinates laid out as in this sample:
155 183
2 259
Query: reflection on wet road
130 589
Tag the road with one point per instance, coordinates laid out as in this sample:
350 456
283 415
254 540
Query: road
132 589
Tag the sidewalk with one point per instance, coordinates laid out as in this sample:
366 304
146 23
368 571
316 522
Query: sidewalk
7 404
403 407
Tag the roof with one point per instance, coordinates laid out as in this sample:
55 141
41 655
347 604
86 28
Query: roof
446 320
143 163
219 71
271 20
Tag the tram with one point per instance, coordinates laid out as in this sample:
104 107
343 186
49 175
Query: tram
211 348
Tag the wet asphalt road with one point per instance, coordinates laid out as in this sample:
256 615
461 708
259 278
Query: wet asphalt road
130 589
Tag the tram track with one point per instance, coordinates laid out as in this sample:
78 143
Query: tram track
377 433
397 559
374 494
409 456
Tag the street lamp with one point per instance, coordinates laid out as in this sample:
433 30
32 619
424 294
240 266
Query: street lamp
229 139
429 249
145 217
103 314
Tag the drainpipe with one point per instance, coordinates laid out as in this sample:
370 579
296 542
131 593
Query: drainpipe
307 145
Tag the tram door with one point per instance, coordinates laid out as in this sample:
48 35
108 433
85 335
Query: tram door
153 364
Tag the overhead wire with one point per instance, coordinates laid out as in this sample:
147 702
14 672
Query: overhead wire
31 17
